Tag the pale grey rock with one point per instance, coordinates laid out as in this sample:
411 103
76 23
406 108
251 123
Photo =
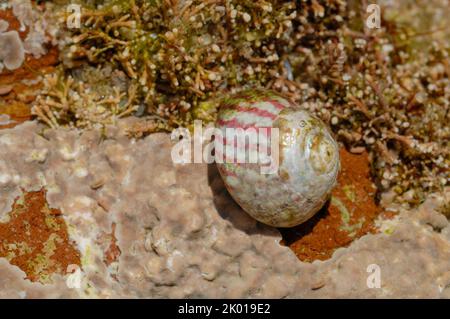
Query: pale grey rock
182 236
12 53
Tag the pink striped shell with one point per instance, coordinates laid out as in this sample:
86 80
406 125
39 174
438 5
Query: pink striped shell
308 158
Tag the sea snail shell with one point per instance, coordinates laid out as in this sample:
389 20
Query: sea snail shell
308 159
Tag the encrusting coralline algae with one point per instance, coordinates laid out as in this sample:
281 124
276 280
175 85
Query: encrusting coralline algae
181 235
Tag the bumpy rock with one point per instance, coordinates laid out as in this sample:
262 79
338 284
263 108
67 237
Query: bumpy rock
181 234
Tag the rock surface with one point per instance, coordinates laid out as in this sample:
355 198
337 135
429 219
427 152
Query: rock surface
181 235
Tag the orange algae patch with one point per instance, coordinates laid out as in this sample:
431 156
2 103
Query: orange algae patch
350 213
18 112
35 239
113 252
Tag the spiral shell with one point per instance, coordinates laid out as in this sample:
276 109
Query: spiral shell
308 159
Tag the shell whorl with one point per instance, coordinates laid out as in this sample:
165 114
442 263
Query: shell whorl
308 160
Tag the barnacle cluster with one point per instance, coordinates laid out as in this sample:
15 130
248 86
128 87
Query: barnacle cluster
383 89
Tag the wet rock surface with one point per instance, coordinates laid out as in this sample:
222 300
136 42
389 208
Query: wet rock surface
181 235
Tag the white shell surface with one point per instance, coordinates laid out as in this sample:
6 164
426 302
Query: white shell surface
308 160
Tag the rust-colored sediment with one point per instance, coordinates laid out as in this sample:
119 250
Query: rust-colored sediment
14 24
18 112
36 240
113 252
350 214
